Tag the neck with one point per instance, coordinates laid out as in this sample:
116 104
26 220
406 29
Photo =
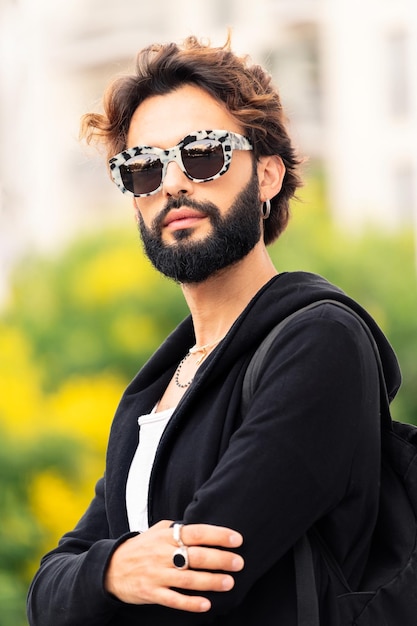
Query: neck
217 302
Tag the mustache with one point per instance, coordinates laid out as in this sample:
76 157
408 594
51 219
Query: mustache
206 208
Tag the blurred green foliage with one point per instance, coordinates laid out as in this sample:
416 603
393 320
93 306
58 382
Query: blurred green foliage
21 531
78 326
98 306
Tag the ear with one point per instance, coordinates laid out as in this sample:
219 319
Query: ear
271 172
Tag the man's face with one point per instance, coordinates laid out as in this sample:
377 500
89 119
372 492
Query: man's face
192 230
231 238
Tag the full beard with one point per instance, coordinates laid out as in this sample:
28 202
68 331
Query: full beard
231 239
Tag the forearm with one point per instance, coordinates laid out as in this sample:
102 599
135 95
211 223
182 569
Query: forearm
68 588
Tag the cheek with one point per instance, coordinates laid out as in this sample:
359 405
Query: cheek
141 207
223 191
136 209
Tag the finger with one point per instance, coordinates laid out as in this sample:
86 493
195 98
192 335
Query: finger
203 558
197 580
175 600
210 535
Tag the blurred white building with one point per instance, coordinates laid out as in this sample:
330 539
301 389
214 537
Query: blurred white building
346 70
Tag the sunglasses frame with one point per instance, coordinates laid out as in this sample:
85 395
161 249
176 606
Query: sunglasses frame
228 140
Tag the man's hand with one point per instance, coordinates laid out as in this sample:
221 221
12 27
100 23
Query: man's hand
141 570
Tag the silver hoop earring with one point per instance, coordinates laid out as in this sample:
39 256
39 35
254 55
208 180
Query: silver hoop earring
266 209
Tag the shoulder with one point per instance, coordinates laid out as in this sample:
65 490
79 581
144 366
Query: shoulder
326 313
328 329
329 313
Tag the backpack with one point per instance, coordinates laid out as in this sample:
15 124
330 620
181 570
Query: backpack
388 593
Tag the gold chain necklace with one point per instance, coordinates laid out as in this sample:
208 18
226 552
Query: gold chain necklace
194 350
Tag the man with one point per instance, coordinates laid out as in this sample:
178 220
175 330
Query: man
197 138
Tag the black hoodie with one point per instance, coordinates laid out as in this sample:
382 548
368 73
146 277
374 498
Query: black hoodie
307 451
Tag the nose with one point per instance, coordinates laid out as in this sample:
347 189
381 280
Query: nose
175 182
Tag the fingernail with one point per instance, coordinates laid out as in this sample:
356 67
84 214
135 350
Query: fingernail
227 583
205 605
235 539
237 564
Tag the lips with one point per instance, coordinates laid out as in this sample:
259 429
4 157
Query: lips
182 218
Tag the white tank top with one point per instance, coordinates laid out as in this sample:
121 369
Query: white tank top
151 427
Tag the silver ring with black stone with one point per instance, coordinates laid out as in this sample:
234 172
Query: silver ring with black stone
180 558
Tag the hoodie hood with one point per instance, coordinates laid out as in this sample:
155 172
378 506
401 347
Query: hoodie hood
282 295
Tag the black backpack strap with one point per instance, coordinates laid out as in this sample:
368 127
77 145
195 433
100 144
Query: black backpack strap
306 589
255 366
305 584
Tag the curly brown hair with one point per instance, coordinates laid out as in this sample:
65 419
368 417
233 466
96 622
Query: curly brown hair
245 89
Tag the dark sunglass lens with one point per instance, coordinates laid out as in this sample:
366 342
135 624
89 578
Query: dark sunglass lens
203 159
142 174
